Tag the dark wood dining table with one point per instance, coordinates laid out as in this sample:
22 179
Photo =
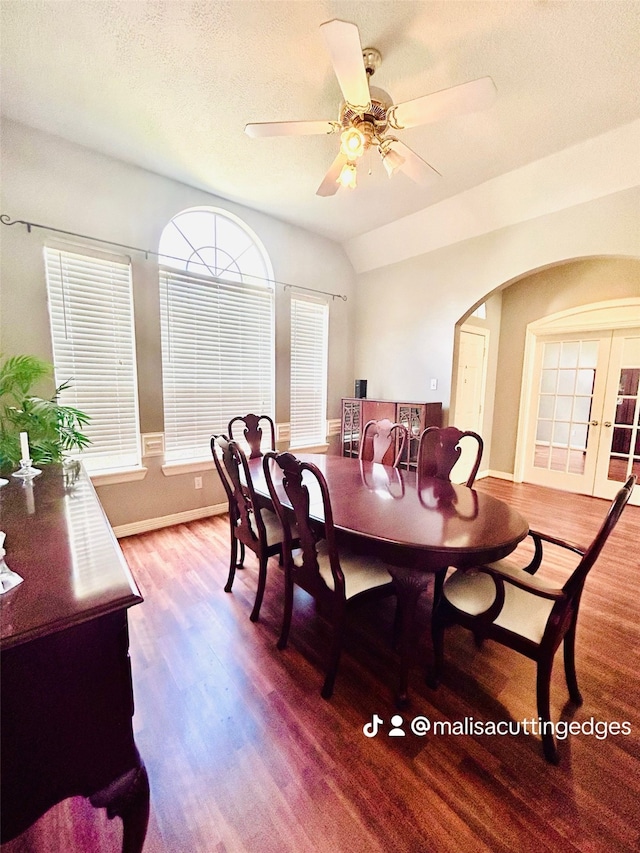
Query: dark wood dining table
419 525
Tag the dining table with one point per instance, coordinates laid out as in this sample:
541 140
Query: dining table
418 525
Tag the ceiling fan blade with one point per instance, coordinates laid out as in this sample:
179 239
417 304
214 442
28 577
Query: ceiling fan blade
414 167
343 43
465 98
291 128
330 185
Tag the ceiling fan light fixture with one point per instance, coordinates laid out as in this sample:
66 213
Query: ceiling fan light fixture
352 143
347 177
391 161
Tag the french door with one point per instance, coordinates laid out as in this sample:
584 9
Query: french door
584 423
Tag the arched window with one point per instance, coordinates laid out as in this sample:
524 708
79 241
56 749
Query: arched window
216 310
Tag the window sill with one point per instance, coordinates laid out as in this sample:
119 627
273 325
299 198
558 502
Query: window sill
188 466
110 478
316 448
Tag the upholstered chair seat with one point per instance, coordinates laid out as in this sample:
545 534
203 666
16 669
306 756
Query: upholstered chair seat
522 613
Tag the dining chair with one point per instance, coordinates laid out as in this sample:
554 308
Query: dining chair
336 578
532 616
252 432
440 449
251 525
383 441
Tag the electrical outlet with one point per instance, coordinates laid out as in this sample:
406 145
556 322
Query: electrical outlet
434 385
197 482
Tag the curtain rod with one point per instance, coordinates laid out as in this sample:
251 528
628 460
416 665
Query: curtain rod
6 220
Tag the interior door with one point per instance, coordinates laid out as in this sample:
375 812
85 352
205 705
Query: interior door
619 444
570 374
583 425
472 371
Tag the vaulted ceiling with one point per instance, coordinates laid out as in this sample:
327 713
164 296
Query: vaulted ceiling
169 86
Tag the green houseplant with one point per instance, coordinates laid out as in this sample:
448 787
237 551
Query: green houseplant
52 428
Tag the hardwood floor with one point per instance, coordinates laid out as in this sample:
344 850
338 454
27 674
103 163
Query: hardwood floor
245 757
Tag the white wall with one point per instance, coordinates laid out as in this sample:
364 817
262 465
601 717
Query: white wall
49 181
407 311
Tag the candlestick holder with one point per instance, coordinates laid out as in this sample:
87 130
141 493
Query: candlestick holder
26 470
8 579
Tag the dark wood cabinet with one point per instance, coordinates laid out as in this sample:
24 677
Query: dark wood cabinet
67 698
415 416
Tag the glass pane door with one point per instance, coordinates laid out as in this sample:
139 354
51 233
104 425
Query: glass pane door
565 401
584 424
619 451
569 382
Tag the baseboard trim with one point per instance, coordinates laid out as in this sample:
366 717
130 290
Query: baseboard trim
499 475
148 524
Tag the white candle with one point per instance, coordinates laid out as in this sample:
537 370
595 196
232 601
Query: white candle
24 446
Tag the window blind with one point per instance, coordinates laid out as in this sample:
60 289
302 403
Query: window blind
309 344
217 357
91 315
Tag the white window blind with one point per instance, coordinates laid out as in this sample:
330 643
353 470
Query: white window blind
91 315
309 344
217 357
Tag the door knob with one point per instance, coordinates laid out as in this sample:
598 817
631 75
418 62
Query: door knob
594 423
607 423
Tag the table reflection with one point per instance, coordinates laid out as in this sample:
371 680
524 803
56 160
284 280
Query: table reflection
442 495
383 480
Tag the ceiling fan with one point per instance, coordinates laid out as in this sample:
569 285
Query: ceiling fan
368 116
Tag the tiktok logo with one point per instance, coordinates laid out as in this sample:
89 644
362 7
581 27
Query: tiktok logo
420 726
371 729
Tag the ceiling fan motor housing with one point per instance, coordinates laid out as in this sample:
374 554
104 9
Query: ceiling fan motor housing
373 123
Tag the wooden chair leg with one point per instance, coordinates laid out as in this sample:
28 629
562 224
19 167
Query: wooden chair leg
232 563
438 584
478 639
334 657
262 582
437 639
286 616
543 687
570 665
397 625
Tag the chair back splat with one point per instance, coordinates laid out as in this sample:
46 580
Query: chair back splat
511 604
337 579
440 449
383 441
253 432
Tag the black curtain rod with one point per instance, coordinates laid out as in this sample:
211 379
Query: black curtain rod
6 220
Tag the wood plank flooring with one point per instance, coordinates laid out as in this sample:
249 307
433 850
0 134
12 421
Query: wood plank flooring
245 757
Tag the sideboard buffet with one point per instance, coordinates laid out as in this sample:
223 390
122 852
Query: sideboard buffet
67 694
357 411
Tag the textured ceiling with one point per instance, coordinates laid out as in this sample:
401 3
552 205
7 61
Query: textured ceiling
169 86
